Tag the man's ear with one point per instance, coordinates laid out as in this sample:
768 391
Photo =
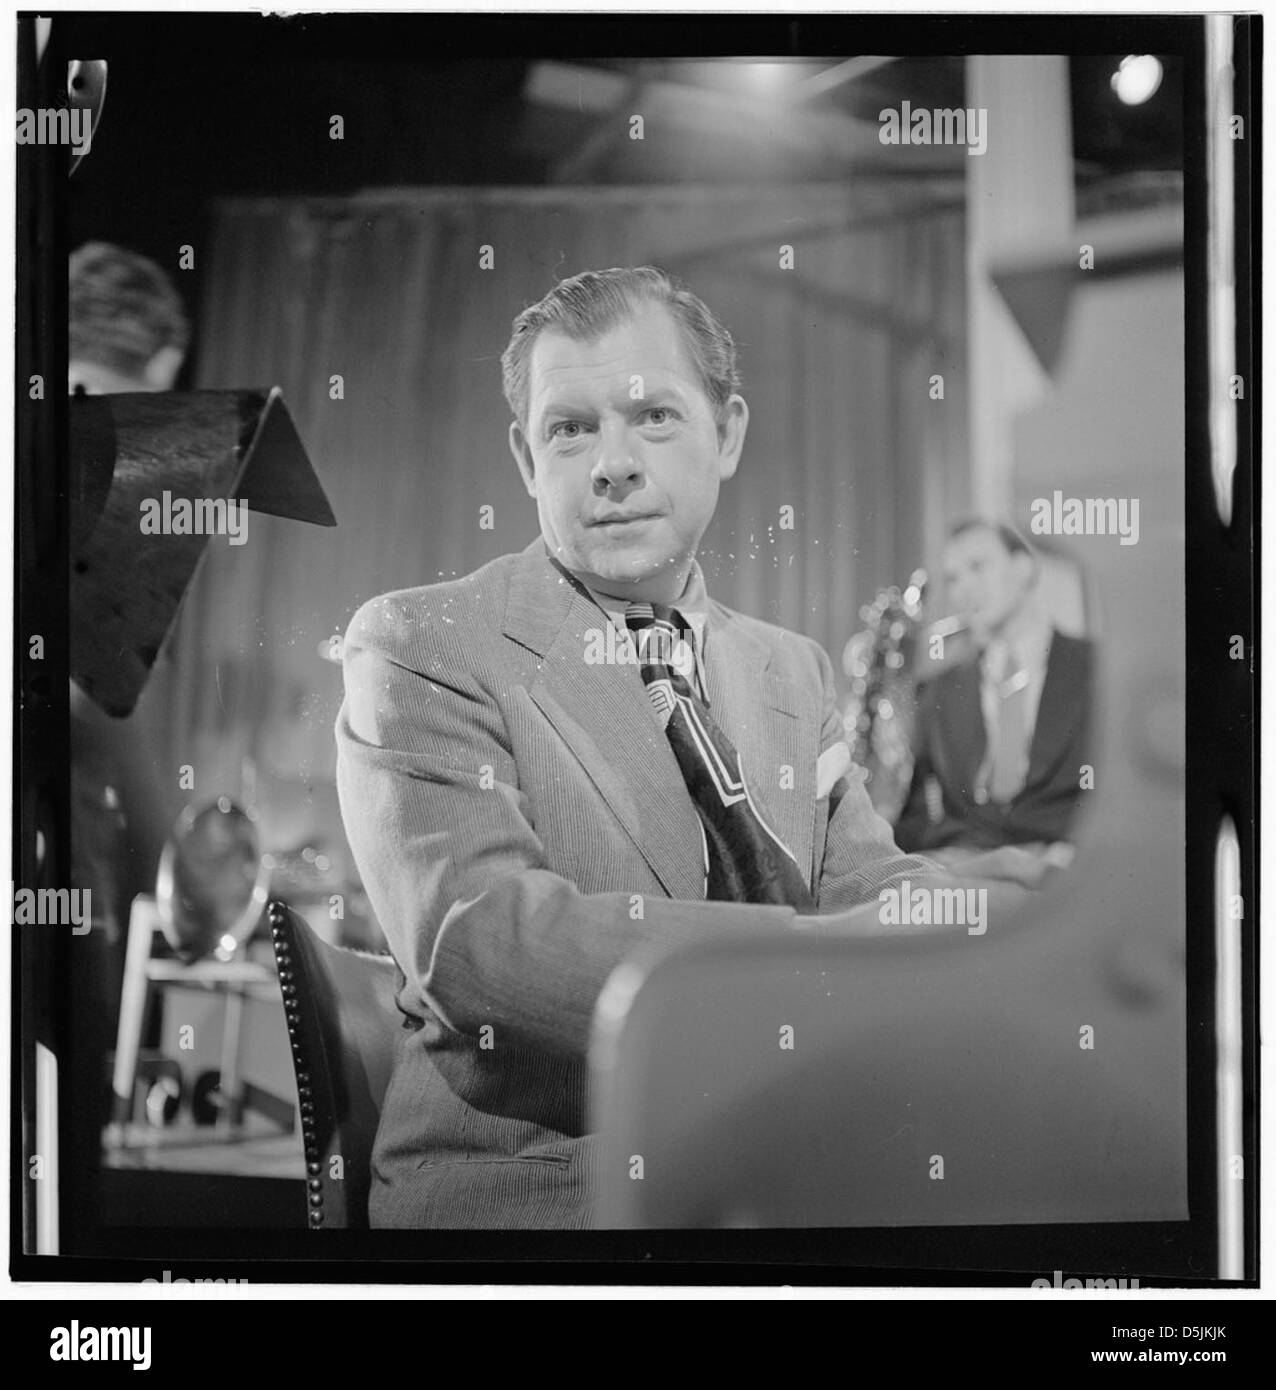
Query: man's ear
733 425
1025 567
523 457
161 371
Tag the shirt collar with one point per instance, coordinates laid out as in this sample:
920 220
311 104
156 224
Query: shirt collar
693 604
1028 651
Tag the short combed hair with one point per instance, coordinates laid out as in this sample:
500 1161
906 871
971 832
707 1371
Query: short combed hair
123 308
1003 530
585 306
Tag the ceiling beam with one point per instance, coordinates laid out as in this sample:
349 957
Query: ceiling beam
773 121
837 76
579 163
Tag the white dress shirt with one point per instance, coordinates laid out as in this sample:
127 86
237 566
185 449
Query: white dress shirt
1001 662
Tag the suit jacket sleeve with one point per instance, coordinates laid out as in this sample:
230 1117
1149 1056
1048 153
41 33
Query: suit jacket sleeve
860 854
484 931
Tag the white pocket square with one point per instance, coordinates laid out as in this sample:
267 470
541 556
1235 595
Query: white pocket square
833 763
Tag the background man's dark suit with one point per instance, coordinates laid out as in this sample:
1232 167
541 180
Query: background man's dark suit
949 747
522 826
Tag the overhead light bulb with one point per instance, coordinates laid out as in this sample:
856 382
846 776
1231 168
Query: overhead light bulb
1137 78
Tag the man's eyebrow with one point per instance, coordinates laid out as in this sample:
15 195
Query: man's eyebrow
565 408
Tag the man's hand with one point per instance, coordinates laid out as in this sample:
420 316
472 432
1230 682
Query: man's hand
1005 876
1002 902
998 902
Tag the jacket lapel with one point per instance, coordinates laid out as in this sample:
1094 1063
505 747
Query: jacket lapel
772 728
603 714
965 738
1062 705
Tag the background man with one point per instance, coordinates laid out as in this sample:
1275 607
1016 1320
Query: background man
127 331
1000 738
128 328
526 813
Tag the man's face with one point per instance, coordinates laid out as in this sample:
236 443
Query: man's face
987 584
623 454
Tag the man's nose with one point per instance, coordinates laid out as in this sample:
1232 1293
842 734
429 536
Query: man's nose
617 465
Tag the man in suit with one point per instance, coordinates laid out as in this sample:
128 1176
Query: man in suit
575 753
1001 738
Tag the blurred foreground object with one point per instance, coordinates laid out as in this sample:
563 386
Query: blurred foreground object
824 1080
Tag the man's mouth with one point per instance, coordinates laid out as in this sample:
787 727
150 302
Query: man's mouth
619 522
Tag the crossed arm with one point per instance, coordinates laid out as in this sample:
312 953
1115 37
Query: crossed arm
485 931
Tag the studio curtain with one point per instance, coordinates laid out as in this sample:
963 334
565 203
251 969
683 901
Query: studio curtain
383 316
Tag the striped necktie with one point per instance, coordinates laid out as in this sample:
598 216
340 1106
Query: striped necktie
747 861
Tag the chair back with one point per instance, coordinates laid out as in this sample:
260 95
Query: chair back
820 1079
343 1027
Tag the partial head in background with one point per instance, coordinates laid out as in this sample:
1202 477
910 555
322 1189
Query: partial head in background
991 574
627 419
128 329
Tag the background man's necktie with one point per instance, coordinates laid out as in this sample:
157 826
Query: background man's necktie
747 861
1010 745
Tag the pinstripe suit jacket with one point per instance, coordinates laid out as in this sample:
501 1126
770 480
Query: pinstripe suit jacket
512 808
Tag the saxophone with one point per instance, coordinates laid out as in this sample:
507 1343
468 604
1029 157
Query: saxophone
880 711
